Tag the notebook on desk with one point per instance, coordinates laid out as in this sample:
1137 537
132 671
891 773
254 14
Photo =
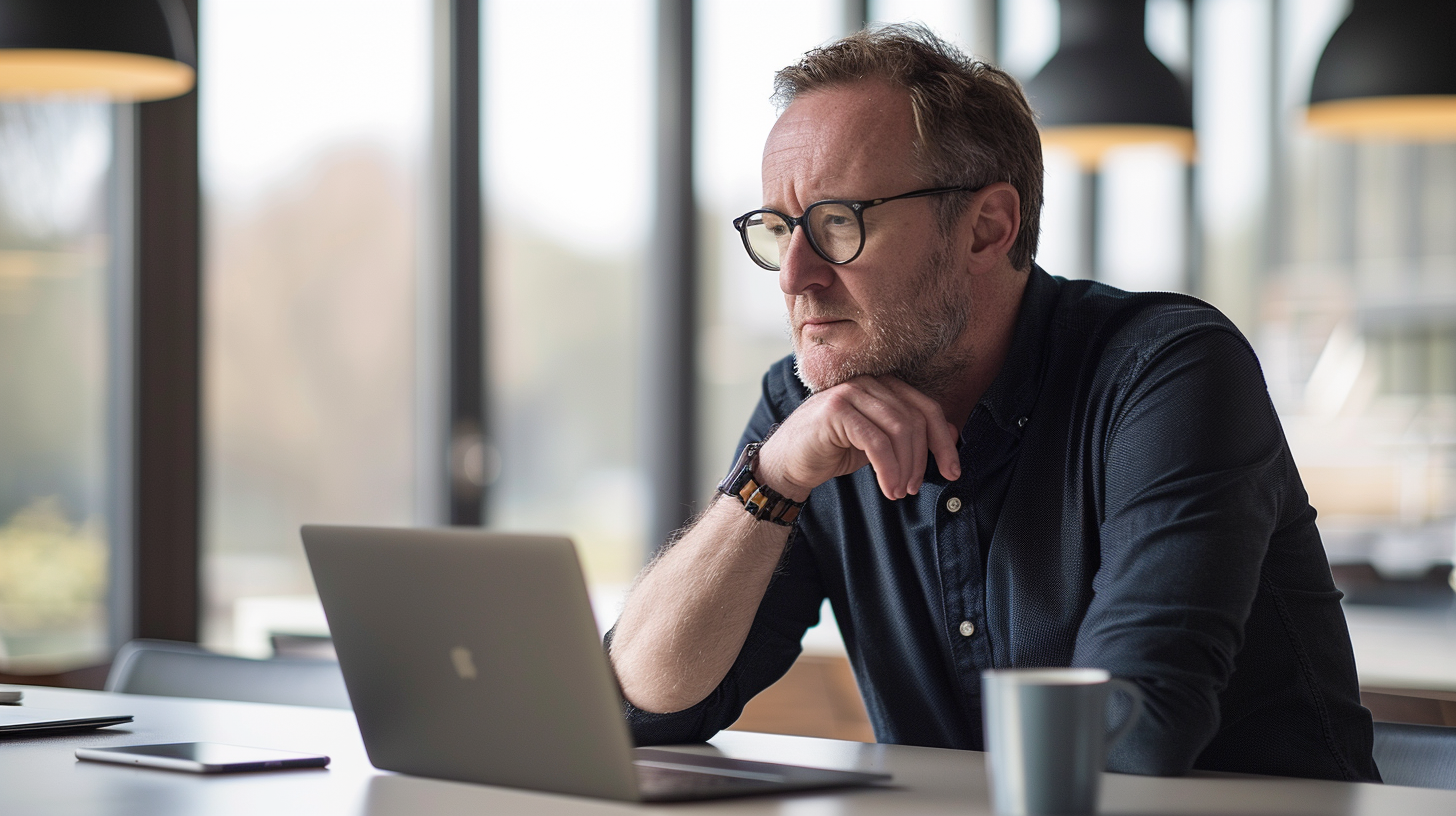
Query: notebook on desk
474 656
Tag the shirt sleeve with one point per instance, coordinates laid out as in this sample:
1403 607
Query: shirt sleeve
789 607
1192 462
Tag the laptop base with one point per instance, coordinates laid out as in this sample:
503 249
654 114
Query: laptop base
674 776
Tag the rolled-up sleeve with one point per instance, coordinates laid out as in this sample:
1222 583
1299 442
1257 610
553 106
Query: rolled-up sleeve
1193 462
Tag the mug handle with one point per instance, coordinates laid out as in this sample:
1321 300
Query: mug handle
1136 695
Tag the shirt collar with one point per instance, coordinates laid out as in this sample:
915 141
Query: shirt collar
1012 394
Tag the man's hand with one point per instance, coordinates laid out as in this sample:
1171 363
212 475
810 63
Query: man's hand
689 615
879 421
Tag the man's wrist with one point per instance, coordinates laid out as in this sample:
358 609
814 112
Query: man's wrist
761 501
766 470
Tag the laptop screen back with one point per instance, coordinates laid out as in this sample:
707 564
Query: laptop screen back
473 656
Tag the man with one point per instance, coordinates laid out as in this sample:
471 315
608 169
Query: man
984 466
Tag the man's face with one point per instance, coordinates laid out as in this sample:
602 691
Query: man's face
898 308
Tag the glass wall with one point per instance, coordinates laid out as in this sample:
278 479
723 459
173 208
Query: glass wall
315 140
568 139
314 133
56 273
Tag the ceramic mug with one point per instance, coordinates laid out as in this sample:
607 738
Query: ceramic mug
1047 737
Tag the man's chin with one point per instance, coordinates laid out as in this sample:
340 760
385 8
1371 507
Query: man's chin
808 377
822 368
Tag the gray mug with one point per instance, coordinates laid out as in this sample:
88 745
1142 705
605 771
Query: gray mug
1047 738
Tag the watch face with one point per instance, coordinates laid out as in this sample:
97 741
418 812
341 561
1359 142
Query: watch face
742 470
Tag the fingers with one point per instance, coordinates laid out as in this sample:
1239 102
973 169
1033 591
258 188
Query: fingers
905 427
880 421
897 427
942 434
862 433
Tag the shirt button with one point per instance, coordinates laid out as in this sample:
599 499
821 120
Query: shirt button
953 504
1021 423
968 628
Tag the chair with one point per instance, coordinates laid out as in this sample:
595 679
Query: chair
1421 756
171 669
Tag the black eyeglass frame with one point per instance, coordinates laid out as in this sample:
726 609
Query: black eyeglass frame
857 207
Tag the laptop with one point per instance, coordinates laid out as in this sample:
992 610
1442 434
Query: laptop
474 656
35 722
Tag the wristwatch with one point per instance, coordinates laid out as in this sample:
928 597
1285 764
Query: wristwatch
761 501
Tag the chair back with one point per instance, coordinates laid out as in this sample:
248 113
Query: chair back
1419 756
171 669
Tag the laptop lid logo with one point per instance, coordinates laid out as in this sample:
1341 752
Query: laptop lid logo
464 662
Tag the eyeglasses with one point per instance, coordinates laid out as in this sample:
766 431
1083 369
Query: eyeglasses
835 227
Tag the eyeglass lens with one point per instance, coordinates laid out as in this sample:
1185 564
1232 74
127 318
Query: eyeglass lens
834 228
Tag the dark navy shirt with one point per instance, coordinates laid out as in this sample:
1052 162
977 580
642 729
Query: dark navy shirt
1127 502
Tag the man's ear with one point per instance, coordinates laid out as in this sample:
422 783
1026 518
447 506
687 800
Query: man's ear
991 223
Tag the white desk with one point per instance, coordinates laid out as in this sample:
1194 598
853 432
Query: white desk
40 776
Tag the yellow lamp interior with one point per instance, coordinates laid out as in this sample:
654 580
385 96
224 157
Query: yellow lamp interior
1089 143
29 72
1397 118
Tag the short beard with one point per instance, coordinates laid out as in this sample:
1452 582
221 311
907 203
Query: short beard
913 340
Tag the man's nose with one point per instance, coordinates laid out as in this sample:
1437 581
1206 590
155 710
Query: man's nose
801 268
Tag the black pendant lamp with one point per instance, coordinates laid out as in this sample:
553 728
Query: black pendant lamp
1389 72
121 50
1104 88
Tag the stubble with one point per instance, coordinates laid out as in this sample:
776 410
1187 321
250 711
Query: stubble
913 338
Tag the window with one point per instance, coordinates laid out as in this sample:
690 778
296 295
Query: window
314 141
567 135
58 273
1359 337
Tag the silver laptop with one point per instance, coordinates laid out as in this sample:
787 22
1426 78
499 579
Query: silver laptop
474 656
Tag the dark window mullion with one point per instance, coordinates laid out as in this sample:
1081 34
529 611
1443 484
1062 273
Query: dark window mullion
669 428
469 465
168 394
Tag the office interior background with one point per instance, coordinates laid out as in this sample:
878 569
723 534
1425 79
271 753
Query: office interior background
324 354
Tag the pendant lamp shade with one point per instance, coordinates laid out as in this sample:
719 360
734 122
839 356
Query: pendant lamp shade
123 50
1389 72
1104 88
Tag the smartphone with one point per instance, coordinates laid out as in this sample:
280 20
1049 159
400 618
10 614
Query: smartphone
203 757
